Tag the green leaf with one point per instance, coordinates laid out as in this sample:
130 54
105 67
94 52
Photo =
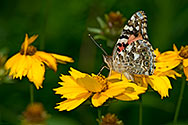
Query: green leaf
94 30
100 37
101 23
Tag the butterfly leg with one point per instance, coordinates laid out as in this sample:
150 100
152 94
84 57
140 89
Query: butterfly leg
121 77
102 69
128 76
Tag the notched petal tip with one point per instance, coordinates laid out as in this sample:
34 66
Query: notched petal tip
62 59
33 38
175 48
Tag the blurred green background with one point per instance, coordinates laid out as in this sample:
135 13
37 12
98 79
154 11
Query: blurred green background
62 28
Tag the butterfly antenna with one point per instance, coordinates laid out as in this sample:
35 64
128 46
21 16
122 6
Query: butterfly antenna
97 44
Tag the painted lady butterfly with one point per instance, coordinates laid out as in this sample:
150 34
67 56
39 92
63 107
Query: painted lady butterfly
133 54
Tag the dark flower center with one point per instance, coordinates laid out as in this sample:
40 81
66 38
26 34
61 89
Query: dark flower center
101 79
184 52
31 50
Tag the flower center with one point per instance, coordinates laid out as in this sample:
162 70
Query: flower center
115 19
101 79
184 52
31 50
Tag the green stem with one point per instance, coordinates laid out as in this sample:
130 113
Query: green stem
179 102
31 94
140 111
99 112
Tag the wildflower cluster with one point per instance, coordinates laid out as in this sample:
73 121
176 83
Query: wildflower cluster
78 87
110 28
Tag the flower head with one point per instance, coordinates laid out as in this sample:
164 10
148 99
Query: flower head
79 86
110 28
110 119
34 114
159 81
184 54
30 62
171 59
115 19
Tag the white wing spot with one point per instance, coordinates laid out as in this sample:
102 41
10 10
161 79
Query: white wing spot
136 56
144 25
126 27
137 28
132 18
144 30
129 48
131 28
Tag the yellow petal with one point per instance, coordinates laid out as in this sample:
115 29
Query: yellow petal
134 89
27 66
175 48
11 61
115 89
127 97
62 59
70 89
90 84
165 66
114 76
47 59
157 53
131 92
25 43
168 56
76 74
140 80
98 99
15 65
21 66
160 84
32 39
185 69
185 62
36 72
170 73
70 104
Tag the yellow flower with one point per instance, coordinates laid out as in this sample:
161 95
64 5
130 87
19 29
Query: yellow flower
131 90
159 81
78 87
167 60
171 59
30 62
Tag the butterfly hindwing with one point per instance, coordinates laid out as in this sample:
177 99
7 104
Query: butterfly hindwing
133 54
136 58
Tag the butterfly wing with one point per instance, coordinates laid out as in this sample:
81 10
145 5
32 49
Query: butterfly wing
137 58
133 54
